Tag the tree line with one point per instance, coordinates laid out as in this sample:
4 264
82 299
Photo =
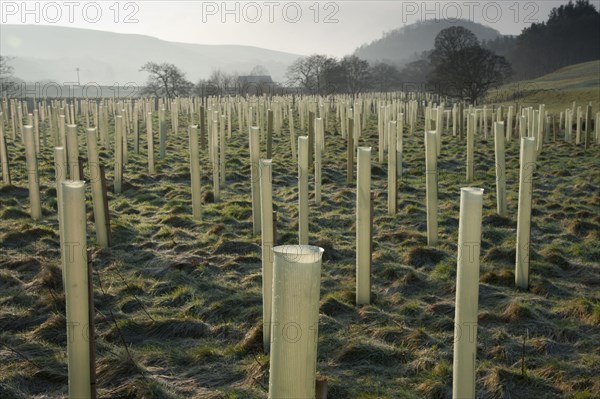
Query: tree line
570 36
167 80
458 66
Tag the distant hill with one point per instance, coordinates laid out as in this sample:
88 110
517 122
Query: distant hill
403 45
53 53
558 90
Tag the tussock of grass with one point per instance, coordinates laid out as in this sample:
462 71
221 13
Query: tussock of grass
383 355
334 308
516 311
422 256
503 277
53 330
133 332
582 309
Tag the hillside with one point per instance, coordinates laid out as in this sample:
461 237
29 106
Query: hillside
403 45
558 90
106 57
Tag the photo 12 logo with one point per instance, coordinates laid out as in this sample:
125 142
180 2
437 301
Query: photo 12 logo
53 12
59 90
488 11
270 11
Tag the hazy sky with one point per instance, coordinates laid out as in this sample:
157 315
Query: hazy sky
303 27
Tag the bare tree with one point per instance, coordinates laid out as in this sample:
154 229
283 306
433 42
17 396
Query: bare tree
309 73
320 64
259 70
223 82
166 80
6 73
6 70
450 42
385 77
462 68
356 72
300 74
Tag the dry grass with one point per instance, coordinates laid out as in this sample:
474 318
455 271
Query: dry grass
178 302
558 90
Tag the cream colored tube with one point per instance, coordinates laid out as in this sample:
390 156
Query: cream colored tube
569 129
32 173
454 119
541 119
598 128
485 122
527 167
60 172
266 205
467 293
295 320
195 173
292 133
215 160
136 131
392 165
509 126
578 131
500 168
118 157
4 154
318 148
303 190
269 133
97 196
470 146
522 126
438 130
363 226
150 145
254 144
399 144
62 132
350 152
73 152
162 133
380 133
36 130
431 187
76 288
222 150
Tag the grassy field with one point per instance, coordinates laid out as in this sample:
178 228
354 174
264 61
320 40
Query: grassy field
558 90
178 302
